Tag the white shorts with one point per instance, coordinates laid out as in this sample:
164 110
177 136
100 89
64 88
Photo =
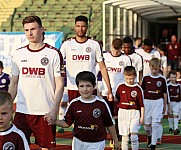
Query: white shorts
153 110
80 145
128 121
174 108
65 95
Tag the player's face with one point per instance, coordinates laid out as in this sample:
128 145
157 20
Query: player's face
178 75
129 79
147 48
5 116
86 89
154 70
127 48
1 70
173 78
80 28
33 32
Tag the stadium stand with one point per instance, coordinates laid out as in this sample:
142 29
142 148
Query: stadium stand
56 15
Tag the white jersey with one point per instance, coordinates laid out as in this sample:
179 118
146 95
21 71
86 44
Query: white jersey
80 57
137 62
146 58
115 68
36 71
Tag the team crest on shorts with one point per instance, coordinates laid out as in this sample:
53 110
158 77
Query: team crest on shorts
88 49
8 146
133 93
159 83
121 63
96 113
44 61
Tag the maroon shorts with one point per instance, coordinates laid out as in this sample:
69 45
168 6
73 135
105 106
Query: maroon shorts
75 93
43 133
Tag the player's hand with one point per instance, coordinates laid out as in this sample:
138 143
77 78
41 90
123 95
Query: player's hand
110 97
116 146
142 121
51 117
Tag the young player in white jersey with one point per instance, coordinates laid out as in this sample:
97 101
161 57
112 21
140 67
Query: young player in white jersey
137 60
174 89
11 138
155 100
147 52
91 117
37 81
131 109
82 54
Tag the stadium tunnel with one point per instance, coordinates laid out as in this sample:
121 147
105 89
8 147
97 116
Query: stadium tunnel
140 18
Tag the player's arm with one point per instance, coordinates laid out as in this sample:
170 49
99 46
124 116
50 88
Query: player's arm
106 79
140 76
62 124
59 88
142 115
13 86
165 96
112 131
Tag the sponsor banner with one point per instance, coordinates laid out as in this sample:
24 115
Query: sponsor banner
10 41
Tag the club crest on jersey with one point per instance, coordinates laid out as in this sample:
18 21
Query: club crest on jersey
3 81
159 83
121 63
8 146
44 61
88 49
96 113
133 93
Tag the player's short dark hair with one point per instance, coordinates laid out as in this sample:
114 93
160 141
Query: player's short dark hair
178 70
129 70
127 39
82 18
6 97
30 19
117 43
162 47
85 76
172 72
1 64
148 42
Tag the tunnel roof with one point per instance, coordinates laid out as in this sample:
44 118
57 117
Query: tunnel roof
150 9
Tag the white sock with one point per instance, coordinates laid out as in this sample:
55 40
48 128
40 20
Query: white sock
125 139
155 130
175 120
134 142
160 131
170 122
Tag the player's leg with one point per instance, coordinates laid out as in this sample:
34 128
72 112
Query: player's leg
147 120
21 122
170 118
40 128
123 126
134 128
176 108
156 119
